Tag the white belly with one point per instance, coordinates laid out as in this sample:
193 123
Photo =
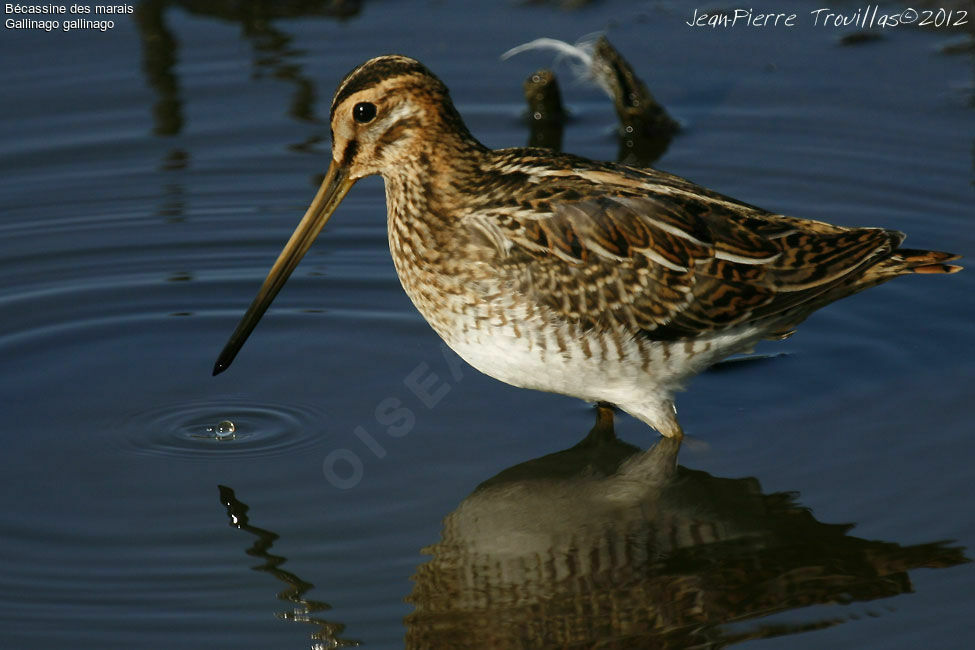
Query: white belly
639 377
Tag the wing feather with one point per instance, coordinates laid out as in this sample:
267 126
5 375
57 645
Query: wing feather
665 258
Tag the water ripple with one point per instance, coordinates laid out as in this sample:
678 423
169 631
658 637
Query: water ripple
185 430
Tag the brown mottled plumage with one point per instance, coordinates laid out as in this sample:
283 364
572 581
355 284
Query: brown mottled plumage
550 271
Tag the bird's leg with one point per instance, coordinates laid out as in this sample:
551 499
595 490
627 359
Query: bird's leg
670 427
604 414
602 432
604 422
674 431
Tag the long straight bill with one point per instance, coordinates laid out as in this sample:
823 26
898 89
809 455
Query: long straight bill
330 194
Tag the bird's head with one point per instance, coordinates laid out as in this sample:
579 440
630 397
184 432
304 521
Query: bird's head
387 114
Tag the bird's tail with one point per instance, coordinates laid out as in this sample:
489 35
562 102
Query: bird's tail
909 260
901 261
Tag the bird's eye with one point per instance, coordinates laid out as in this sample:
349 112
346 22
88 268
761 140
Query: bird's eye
363 112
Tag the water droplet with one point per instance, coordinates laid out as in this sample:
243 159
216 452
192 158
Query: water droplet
225 430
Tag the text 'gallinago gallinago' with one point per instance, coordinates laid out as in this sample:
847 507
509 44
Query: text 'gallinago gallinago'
554 272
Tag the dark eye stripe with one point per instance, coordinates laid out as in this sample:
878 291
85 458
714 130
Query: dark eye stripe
349 153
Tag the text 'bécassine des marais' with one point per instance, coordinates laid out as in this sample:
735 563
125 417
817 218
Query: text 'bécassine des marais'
864 17
57 10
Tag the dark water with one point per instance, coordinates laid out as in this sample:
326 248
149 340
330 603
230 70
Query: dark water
150 175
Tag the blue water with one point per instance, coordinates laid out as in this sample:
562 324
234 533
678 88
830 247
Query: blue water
152 173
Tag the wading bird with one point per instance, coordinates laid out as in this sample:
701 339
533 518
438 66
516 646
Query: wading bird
549 271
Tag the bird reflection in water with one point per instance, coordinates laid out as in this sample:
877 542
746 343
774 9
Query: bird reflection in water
607 545
303 609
